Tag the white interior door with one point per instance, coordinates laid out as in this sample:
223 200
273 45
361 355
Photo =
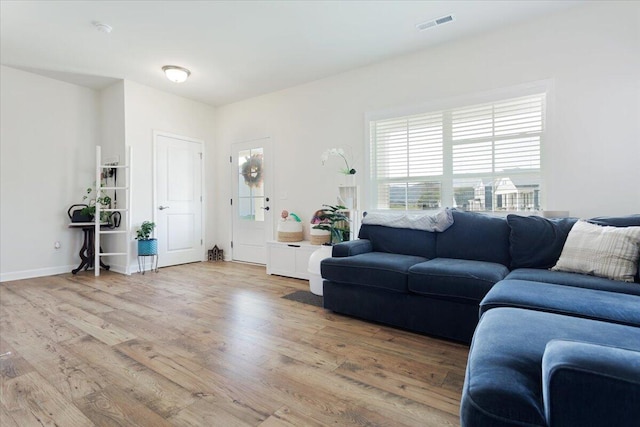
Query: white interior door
178 199
252 192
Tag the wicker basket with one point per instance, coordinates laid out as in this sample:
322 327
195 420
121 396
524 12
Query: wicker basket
319 237
290 231
288 236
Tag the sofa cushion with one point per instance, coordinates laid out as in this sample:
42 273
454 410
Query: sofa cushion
618 221
579 302
400 240
376 269
537 242
573 279
602 251
593 385
475 236
351 247
458 279
503 383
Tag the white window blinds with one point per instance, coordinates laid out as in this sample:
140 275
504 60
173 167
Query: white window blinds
482 157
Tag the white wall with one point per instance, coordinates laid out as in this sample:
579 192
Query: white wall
591 54
146 110
50 128
112 142
48 133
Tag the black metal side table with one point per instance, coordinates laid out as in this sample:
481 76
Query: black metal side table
87 251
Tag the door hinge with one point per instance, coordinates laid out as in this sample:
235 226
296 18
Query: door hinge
231 201
232 244
201 199
230 159
200 156
201 242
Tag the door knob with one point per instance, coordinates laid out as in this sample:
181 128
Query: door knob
266 208
163 207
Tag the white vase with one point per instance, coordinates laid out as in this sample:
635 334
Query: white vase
315 276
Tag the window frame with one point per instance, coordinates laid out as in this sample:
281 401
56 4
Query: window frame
495 96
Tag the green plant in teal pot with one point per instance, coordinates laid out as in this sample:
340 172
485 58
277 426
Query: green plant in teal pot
146 244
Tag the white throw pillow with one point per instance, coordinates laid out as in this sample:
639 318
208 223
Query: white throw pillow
610 252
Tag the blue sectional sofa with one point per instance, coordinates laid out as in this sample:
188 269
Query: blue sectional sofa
552 348
428 282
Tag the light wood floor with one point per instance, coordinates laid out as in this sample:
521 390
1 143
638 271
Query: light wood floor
210 344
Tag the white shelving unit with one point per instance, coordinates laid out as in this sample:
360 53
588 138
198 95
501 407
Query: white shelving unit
124 211
349 196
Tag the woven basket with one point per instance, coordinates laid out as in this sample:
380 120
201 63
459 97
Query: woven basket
289 231
319 237
288 236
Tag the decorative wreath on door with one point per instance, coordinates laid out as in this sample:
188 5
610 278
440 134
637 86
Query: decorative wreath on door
251 170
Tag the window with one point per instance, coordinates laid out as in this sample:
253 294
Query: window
481 158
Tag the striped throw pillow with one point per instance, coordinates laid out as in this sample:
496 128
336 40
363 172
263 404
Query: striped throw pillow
610 252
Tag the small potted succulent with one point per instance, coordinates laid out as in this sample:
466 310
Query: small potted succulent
146 244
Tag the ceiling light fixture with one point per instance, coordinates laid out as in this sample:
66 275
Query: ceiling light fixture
176 74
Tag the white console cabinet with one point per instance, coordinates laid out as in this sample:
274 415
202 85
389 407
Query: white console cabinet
289 259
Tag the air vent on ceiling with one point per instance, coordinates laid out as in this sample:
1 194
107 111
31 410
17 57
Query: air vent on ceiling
434 22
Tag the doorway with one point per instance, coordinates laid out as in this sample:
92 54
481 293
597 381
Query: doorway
178 198
252 226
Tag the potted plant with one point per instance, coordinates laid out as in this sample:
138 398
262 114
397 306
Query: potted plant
332 219
146 244
101 198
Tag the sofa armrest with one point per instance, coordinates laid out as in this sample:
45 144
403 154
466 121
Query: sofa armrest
352 247
589 384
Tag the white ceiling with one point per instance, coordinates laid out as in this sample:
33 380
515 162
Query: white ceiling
234 49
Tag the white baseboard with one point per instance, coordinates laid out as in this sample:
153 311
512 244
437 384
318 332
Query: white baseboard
118 268
40 272
147 265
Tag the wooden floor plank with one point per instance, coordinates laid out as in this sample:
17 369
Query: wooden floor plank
155 391
31 400
210 344
92 325
285 417
112 407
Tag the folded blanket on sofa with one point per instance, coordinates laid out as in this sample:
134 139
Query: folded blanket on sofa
439 221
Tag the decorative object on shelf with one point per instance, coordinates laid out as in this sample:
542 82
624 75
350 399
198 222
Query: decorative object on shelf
76 215
216 254
348 170
251 170
334 220
289 227
319 236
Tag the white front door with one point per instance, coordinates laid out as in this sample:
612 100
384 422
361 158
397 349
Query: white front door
251 202
178 199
